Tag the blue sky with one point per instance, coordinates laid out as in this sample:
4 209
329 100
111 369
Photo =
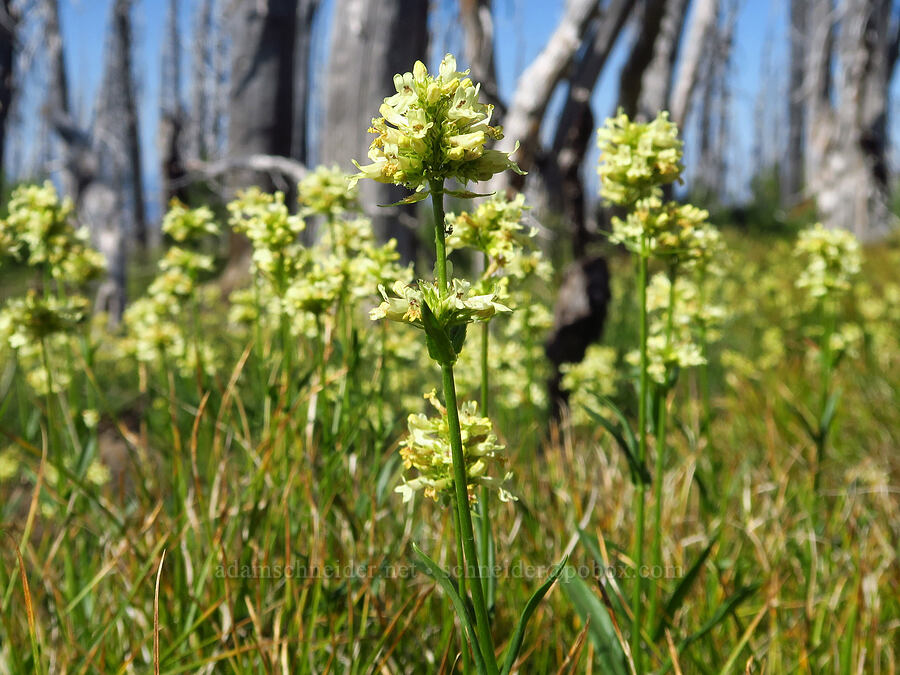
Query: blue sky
522 28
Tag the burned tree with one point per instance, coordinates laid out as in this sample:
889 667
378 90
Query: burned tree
372 41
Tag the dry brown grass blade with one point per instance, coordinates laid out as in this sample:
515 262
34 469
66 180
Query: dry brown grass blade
195 433
673 653
156 615
420 600
29 608
574 654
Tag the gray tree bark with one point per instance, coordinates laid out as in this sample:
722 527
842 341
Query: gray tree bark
172 122
306 13
7 77
371 42
847 137
792 162
575 127
656 82
478 49
99 166
202 74
702 22
641 55
261 100
536 84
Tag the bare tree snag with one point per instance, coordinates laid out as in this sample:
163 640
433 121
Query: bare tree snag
171 113
478 27
371 42
846 142
702 22
642 53
202 70
261 101
536 84
306 13
7 60
656 82
792 162
561 167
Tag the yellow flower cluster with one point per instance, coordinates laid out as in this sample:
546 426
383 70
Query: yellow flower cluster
427 449
433 128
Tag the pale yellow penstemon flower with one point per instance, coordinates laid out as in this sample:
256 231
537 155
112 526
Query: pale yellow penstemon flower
427 449
433 127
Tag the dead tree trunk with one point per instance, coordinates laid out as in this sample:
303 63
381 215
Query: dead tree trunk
642 53
792 162
109 201
306 13
135 187
261 102
478 26
561 168
536 84
7 59
847 138
656 83
703 21
371 41
98 166
201 74
171 114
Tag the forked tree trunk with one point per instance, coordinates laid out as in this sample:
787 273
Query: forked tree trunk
656 83
370 43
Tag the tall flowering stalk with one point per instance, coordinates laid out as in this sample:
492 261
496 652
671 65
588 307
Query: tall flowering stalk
833 262
434 129
637 159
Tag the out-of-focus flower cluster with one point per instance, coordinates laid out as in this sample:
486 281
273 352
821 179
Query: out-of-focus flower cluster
326 191
38 231
833 260
434 128
590 382
300 283
163 326
427 450
495 229
673 341
272 230
637 158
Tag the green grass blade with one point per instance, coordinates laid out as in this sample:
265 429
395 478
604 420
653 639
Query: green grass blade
512 651
443 580
601 631
681 591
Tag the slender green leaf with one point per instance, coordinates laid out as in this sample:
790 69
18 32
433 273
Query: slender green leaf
411 199
684 586
639 472
443 580
512 651
609 652
828 412
467 194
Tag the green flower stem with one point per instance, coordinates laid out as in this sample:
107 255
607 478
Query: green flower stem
829 321
662 418
460 479
461 586
638 554
484 496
